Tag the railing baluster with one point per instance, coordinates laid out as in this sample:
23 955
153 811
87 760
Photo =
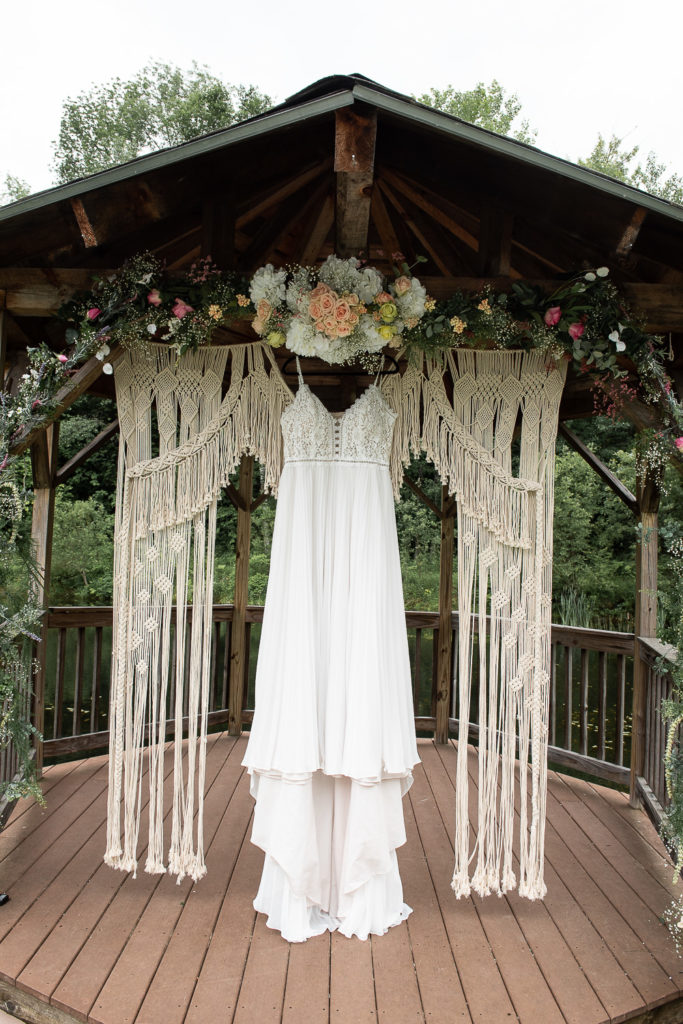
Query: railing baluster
584 701
568 681
602 702
226 665
59 683
214 666
621 695
78 679
435 663
247 647
95 689
552 710
416 670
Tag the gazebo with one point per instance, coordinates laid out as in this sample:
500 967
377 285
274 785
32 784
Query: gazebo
350 167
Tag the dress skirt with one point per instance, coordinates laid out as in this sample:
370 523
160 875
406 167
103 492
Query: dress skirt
332 744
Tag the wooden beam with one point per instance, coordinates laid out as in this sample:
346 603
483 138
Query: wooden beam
40 291
382 221
630 234
44 455
65 397
238 648
603 471
444 680
84 226
272 199
495 242
414 227
422 496
74 463
354 164
319 232
648 495
421 198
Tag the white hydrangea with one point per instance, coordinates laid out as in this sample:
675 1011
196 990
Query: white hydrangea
302 338
370 283
298 291
372 339
412 304
341 275
269 284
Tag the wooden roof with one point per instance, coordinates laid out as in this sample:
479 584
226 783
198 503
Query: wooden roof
347 165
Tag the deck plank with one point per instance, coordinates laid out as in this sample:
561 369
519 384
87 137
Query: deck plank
437 973
180 965
90 969
120 998
107 948
483 986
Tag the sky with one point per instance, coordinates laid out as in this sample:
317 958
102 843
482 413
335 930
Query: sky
579 68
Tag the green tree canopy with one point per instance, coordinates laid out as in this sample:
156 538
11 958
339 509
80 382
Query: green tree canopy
13 189
488 106
162 105
608 156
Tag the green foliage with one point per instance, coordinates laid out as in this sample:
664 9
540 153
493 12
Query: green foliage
82 552
488 106
162 105
14 189
608 157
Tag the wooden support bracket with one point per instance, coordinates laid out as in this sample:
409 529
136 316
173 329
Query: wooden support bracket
603 471
74 463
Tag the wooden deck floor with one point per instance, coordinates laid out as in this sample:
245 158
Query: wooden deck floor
105 948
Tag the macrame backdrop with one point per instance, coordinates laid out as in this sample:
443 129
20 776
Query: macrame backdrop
165 530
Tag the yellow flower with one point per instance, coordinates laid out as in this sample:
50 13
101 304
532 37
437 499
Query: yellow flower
430 304
276 339
388 311
484 306
458 325
242 300
215 312
387 332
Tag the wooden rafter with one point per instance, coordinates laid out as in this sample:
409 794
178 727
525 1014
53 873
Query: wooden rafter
410 220
274 197
422 199
318 233
354 164
630 234
74 463
383 224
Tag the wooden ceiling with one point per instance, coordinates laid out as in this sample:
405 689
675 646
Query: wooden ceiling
347 166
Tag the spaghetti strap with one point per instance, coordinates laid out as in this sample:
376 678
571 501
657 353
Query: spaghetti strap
298 370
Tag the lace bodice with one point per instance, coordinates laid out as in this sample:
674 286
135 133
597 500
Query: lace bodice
362 434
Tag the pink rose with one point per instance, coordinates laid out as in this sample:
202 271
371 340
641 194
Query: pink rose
330 326
402 285
342 310
343 330
320 290
679 443
383 297
181 309
576 330
353 319
93 313
62 358
314 309
327 303
320 326
154 298
263 310
552 315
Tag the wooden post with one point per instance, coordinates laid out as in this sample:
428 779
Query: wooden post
3 339
647 493
44 455
239 654
444 680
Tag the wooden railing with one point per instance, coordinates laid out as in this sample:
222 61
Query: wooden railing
591 684
651 783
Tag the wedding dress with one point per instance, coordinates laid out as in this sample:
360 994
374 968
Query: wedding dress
332 744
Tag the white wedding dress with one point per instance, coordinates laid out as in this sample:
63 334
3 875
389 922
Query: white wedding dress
332 745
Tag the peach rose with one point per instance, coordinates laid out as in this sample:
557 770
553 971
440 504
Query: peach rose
258 325
352 299
383 297
342 310
263 310
352 319
320 326
320 290
343 330
402 285
330 326
327 302
314 309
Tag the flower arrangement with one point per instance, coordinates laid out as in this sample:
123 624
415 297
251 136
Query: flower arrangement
337 312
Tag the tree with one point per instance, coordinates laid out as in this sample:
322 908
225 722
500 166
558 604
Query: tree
162 105
14 189
486 105
608 157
